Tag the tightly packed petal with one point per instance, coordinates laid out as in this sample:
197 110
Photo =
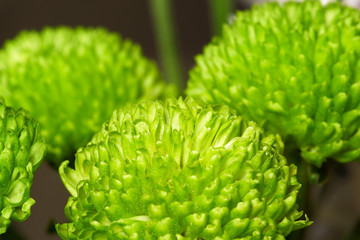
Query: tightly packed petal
180 170
72 79
295 70
21 151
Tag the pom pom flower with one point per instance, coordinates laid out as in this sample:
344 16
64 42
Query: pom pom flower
180 170
72 79
21 152
295 70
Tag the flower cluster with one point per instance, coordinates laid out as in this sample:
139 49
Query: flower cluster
180 169
21 152
72 79
295 70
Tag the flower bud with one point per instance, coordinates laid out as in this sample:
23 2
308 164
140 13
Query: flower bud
294 69
22 150
180 169
70 80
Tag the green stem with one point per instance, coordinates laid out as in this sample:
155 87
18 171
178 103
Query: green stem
166 41
220 11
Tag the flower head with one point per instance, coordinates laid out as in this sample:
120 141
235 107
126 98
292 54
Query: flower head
295 70
180 170
21 151
71 80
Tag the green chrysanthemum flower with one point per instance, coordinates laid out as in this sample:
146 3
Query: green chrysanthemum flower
21 152
295 70
180 170
72 79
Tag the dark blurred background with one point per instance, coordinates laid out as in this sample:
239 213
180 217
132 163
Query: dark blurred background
132 19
